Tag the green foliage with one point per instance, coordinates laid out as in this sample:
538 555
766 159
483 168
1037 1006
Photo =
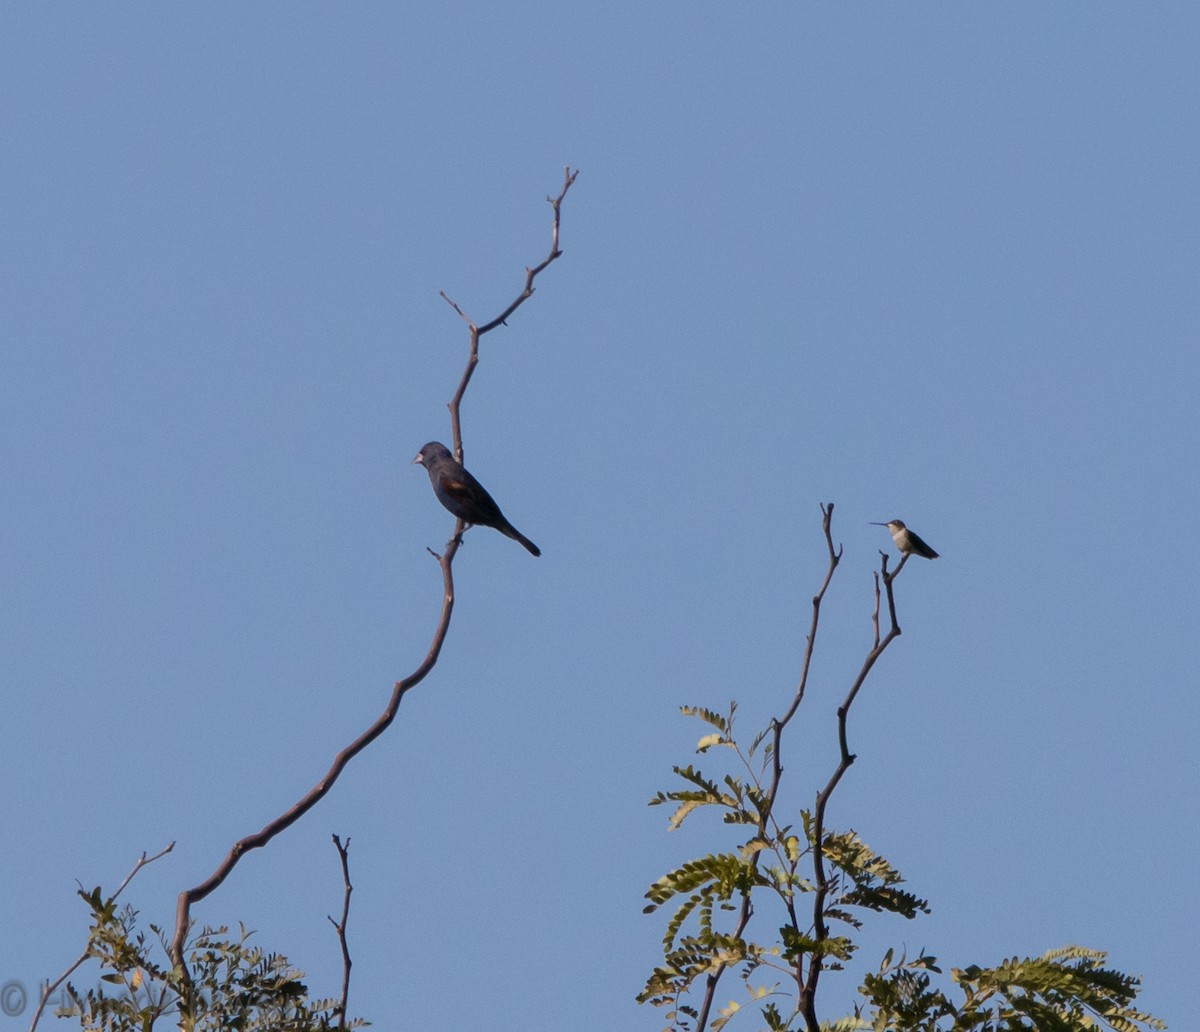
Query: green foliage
234 985
768 861
873 881
1066 990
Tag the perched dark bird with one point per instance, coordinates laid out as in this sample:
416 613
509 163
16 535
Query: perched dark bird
906 540
465 496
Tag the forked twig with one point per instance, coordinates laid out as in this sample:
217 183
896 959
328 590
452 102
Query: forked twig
49 988
477 331
340 927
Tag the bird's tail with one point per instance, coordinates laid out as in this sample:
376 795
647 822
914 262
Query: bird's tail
508 530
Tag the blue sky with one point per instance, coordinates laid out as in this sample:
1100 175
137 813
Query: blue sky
926 260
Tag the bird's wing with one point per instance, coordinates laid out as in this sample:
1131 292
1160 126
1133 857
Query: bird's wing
460 489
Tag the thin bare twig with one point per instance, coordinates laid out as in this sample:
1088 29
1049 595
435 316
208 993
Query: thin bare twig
808 994
343 854
286 819
746 910
49 988
477 331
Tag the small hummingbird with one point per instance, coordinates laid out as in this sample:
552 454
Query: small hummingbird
906 540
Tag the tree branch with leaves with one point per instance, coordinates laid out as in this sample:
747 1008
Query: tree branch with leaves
771 871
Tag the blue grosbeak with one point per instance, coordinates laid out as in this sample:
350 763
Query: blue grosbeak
465 496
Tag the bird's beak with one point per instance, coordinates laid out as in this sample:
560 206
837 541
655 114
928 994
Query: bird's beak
418 458
873 524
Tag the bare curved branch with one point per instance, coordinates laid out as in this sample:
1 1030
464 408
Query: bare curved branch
289 817
260 838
